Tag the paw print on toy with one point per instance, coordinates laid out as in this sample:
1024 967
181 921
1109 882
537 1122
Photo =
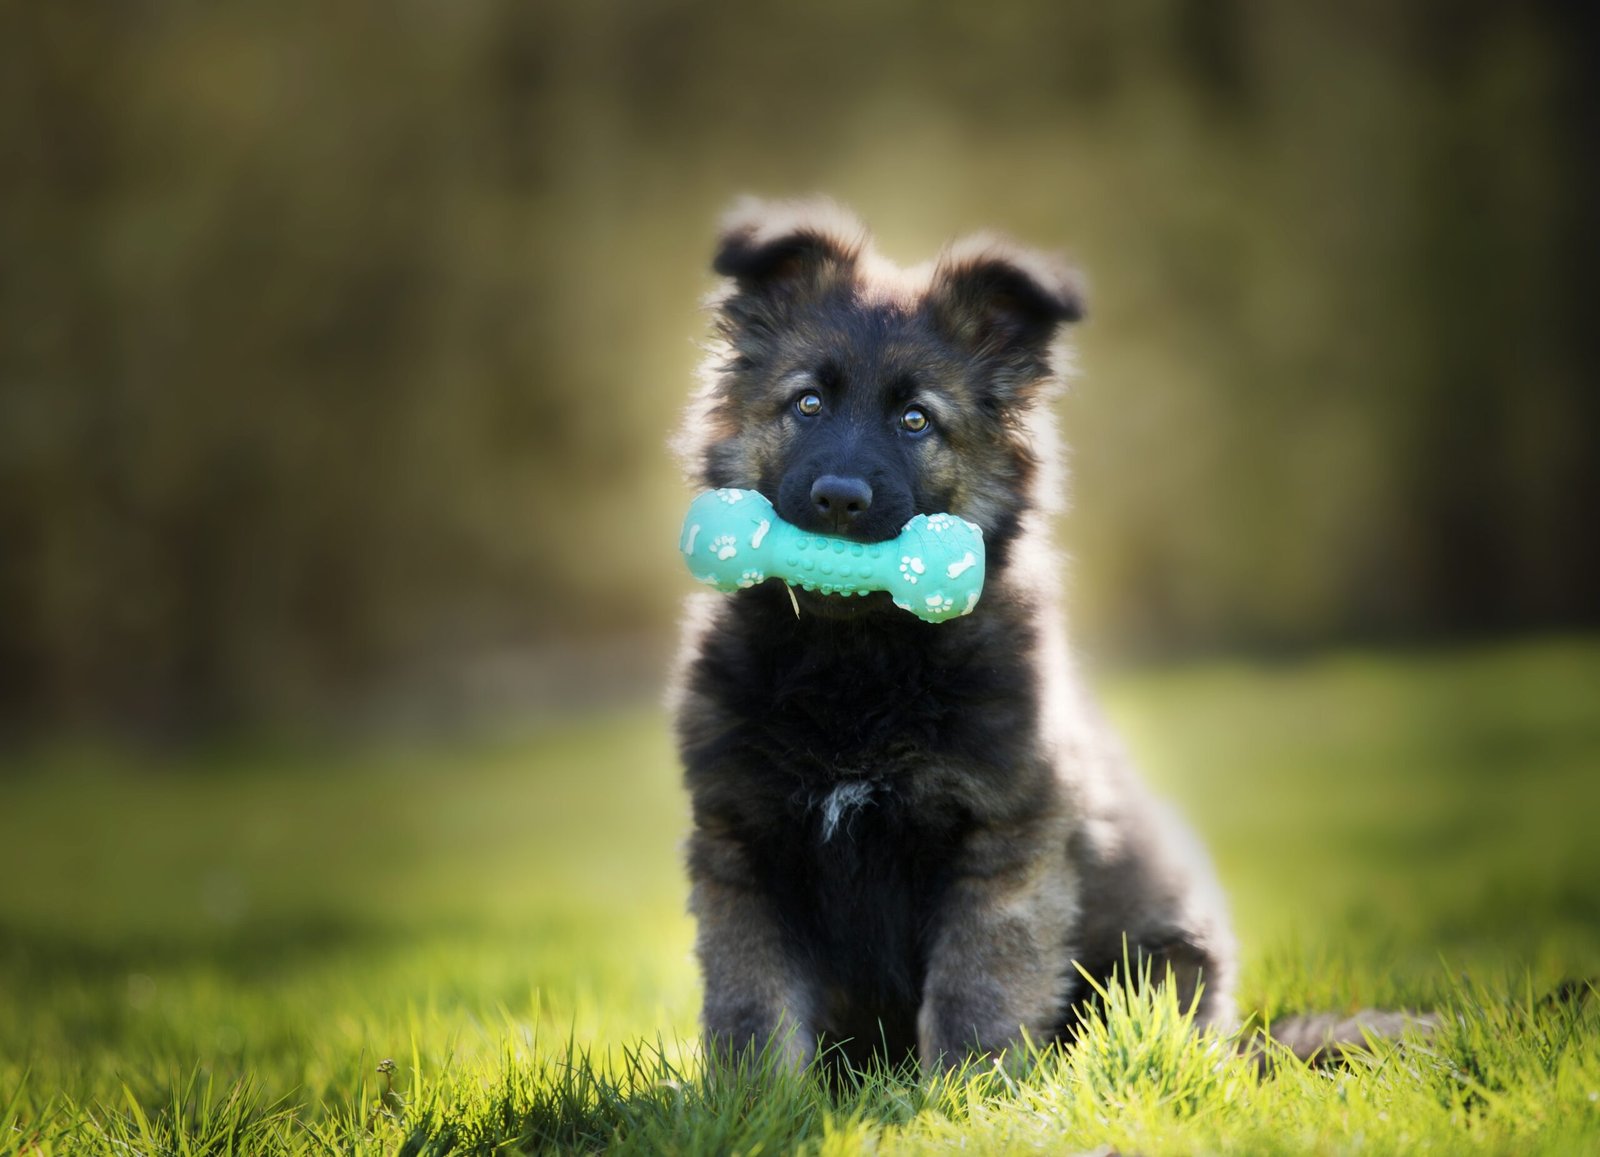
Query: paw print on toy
750 578
724 546
939 604
731 496
911 567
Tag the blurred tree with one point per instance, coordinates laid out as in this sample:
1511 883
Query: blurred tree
342 344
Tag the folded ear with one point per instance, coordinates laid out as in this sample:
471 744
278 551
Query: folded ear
998 299
777 246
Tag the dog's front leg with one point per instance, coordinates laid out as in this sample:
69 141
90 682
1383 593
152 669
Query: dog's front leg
999 957
754 992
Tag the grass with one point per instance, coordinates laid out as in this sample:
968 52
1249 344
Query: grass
211 954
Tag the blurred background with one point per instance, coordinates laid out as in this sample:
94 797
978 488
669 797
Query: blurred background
339 347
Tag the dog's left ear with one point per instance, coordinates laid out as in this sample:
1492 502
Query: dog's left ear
1000 300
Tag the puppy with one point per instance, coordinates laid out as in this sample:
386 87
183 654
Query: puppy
906 834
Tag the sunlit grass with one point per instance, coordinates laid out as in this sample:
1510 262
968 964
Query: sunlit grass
212 954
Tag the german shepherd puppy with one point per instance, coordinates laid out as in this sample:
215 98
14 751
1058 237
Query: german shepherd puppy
905 834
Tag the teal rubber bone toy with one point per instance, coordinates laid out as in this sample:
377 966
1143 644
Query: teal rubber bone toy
934 569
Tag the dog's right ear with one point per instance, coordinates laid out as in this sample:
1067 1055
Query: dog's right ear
1005 301
779 248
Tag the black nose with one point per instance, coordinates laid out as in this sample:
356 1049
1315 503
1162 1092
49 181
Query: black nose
840 501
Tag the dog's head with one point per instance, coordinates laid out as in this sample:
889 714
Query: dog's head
854 394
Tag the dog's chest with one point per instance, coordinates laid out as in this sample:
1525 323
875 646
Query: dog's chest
836 810
857 877
867 789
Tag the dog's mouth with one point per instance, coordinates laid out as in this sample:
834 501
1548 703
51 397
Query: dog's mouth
842 608
882 522
866 531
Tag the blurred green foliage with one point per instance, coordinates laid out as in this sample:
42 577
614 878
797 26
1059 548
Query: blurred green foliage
342 343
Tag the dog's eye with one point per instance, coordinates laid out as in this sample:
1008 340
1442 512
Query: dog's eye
809 403
913 421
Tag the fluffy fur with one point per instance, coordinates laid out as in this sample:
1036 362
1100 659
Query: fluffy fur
905 834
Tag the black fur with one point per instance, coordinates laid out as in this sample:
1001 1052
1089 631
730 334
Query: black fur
811 706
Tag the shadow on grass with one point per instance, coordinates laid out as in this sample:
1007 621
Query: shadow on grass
649 1102
1137 1046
